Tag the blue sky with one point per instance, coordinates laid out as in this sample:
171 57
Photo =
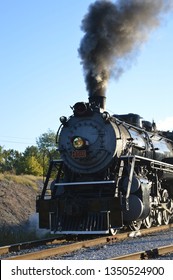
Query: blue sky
41 74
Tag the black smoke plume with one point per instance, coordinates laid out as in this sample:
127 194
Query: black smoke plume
113 34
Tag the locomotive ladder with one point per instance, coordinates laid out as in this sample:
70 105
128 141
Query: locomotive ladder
53 163
132 165
120 173
131 160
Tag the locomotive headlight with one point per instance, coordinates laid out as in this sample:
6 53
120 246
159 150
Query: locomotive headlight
78 143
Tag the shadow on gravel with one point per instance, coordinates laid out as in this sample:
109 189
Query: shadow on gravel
26 231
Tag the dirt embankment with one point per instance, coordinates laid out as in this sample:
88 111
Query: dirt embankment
17 199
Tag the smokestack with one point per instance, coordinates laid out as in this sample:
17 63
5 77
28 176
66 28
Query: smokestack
96 89
113 34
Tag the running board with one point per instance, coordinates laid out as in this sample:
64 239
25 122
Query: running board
81 232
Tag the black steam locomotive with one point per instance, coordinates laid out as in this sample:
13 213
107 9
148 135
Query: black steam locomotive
114 171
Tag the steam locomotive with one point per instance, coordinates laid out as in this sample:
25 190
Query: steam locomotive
114 171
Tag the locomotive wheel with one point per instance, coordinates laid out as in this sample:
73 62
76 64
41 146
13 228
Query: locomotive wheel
165 214
158 216
113 231
165 217
147 222
135 225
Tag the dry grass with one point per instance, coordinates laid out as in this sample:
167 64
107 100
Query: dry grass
28 180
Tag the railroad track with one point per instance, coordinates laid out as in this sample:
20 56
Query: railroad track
146 255
30 244
63 249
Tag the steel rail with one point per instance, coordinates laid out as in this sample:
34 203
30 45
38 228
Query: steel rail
61 250
146 255
30 244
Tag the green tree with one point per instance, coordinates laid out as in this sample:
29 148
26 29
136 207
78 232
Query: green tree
32 166
32 163
34 160
1 158
46 142
31 151
48 148
10 160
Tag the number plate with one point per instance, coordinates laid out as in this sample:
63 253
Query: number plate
79 154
